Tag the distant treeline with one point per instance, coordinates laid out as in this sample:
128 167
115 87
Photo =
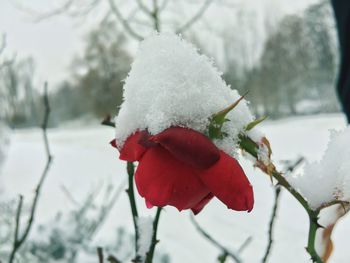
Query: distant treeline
295 74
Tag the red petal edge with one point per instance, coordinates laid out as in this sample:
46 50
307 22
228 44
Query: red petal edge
132 151
198 207
228 182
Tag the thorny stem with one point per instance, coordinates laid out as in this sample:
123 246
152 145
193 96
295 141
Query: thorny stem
150 253
251 147
130 191
313 217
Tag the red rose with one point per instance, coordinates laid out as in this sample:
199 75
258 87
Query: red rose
183 168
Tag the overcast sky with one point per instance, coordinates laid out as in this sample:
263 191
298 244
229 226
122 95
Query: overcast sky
54 42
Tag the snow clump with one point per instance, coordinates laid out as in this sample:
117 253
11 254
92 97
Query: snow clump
327 180
171 84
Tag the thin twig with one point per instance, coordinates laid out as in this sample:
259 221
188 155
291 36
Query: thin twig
155 16
143 7
195 18
272 223
40 16
164 5
124 22
290 168
18 242
69 195
17 224
244 245
233 255
105 210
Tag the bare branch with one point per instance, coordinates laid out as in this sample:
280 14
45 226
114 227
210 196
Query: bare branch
17 222
133 19
69 195
225 252
124 22
20 240
195 18
244 245
3 45
155 16
39 16
289 169
272 223
100 254
113 259
164 5
72 8
107 121
144 7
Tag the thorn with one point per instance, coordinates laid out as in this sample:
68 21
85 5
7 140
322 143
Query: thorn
231 107
319 226
254 123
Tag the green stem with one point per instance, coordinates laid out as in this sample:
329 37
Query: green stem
130 191
312 237
251 147
150 254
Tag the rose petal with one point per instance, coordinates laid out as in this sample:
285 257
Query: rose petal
148 204
145 141
188 146
198 207
132 151
228 182
113 143
163 180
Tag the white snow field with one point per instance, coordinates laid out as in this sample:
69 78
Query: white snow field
83 159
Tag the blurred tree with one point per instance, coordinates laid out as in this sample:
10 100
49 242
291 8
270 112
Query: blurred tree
17 94
297 68
97 85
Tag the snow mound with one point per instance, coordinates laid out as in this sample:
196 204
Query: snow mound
171 84
329 179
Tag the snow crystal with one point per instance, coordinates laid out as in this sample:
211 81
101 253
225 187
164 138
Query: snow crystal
329 179
145 230
171 84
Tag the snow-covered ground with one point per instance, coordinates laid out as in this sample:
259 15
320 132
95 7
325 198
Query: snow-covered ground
83 159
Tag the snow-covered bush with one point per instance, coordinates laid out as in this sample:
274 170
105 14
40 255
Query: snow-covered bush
328 179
